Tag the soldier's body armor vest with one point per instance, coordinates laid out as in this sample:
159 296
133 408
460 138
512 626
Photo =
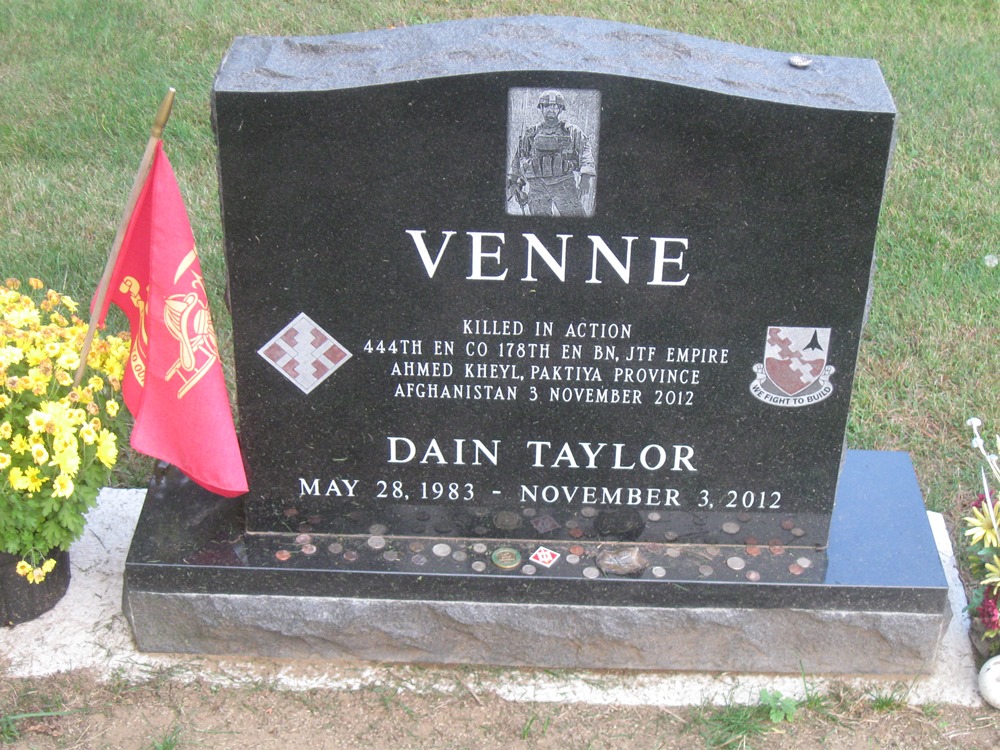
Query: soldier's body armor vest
553 154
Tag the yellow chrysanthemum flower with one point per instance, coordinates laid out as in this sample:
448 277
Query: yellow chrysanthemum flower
36 575
10 355
66 441
68 360
19 445
39 454
981 528
95 383
107 449
993 574
23 568
88 434
17 479
68 461
6 430
112 408
62 418
62 486
33 479
36 283
58 415
38 421
4 400
5 461
63 378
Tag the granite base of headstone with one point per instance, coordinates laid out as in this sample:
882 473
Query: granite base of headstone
545 332
196 582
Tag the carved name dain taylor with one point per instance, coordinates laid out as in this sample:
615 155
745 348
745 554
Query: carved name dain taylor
543 454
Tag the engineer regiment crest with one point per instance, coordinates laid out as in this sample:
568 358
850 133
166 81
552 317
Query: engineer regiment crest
795 370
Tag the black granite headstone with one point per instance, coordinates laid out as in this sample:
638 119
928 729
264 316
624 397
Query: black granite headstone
535 312
479 295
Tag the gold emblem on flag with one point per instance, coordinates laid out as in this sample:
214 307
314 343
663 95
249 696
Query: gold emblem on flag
188 319
140 348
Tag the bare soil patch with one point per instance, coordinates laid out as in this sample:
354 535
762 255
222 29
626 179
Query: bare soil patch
75 711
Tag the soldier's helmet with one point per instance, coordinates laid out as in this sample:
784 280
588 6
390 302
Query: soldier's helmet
551 97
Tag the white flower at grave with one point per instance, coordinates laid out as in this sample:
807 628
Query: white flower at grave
992 260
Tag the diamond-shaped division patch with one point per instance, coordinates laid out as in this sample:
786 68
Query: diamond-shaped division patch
304 353
544 524
544 556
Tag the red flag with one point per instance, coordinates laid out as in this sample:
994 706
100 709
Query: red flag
173 382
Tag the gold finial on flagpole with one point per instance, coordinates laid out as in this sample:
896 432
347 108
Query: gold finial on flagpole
155 135
163 114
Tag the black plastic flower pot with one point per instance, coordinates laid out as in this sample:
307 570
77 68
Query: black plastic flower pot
20 600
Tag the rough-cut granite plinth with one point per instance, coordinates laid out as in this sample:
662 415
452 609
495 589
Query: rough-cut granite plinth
190 586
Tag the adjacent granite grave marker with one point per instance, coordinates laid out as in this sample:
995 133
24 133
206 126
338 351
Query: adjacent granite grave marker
545 310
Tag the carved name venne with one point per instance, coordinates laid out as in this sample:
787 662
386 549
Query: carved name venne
491 257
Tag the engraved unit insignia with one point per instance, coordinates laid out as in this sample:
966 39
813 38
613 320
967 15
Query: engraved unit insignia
544 556
304 353
795 370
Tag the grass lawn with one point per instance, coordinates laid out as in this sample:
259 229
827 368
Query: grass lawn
80 81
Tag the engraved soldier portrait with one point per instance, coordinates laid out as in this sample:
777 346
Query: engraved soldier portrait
552 144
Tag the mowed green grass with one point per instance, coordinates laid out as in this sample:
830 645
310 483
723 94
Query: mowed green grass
81 79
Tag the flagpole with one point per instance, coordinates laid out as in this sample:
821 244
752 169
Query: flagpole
155 135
